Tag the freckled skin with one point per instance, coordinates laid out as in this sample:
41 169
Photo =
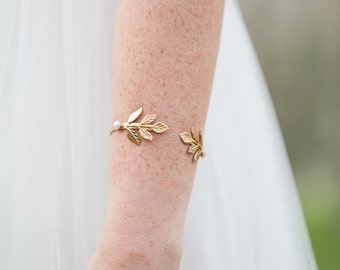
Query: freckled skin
164 60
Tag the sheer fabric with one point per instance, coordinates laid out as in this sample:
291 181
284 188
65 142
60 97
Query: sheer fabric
55 114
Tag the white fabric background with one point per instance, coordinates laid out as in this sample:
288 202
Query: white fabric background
55 98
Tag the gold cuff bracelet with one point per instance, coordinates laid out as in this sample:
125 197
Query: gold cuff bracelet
145 127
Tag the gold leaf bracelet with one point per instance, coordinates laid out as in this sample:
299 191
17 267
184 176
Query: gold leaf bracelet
145 127
136 131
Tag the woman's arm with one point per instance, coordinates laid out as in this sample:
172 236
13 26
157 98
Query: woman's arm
164 61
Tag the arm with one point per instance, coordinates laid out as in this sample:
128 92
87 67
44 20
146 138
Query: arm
164 60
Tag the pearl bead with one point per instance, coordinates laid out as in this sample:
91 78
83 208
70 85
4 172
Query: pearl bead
116 125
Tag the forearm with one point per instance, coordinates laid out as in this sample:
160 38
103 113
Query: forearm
164 61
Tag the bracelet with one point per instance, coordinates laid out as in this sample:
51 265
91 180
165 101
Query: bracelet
136 131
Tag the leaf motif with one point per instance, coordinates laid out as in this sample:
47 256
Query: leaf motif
194 139
145 134
186 138
197 155
148 118
200 137
193 148
159 127
194 135
133 136
135 115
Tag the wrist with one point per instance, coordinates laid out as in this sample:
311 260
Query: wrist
145 254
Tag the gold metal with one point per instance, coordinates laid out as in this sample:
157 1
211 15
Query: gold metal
144 127
195 140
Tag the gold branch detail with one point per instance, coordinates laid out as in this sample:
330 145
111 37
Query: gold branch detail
195 140
145 127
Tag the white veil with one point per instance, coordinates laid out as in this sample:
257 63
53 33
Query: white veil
55 113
